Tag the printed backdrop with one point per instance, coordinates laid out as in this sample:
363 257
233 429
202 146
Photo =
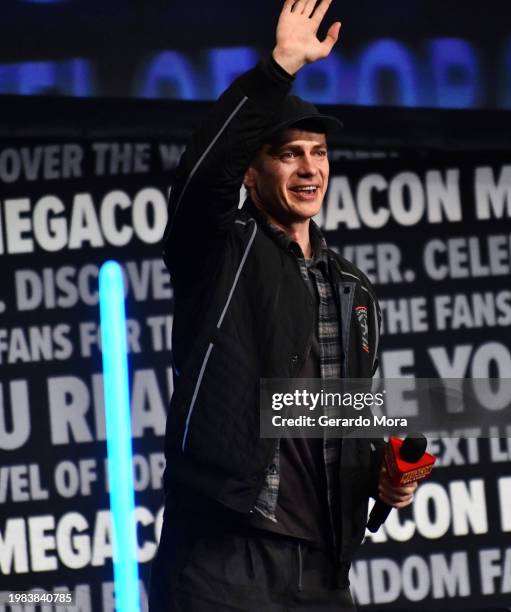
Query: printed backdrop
431 230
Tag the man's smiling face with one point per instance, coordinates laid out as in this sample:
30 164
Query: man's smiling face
289 177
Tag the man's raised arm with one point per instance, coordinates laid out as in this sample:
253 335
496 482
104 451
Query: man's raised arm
208 180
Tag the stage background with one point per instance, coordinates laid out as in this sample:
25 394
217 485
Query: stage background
413 53
420 200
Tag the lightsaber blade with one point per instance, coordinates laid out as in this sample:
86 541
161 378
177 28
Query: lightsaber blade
118 433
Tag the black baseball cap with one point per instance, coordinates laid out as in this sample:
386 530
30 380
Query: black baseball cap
295 111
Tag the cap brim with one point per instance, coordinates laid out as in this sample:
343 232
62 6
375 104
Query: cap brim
331 126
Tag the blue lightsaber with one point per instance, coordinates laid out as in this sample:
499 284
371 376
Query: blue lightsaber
118 434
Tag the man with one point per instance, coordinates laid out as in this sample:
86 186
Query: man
256 524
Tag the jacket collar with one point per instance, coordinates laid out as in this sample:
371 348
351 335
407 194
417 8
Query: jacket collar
318 242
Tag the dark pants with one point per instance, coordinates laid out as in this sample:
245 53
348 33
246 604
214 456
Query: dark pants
206 565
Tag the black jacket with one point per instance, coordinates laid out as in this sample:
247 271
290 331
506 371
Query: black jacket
243 312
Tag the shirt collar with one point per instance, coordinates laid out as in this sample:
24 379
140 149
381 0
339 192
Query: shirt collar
318 243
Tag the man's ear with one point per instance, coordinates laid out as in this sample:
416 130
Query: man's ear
249 178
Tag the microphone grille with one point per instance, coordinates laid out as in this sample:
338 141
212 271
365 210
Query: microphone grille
413 447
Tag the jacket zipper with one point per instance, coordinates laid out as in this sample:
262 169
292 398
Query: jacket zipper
311 332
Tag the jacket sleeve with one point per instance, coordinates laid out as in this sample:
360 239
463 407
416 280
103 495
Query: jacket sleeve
374 321
377 332
377 444
206 190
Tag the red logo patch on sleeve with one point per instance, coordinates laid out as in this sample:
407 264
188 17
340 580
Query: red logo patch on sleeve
364 328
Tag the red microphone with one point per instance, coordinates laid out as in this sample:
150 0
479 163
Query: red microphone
406 462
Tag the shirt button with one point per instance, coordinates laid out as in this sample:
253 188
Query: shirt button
347 289
294 358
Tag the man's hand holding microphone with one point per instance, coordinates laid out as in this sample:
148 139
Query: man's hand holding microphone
405 463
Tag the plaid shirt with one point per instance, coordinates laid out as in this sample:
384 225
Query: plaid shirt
330 366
